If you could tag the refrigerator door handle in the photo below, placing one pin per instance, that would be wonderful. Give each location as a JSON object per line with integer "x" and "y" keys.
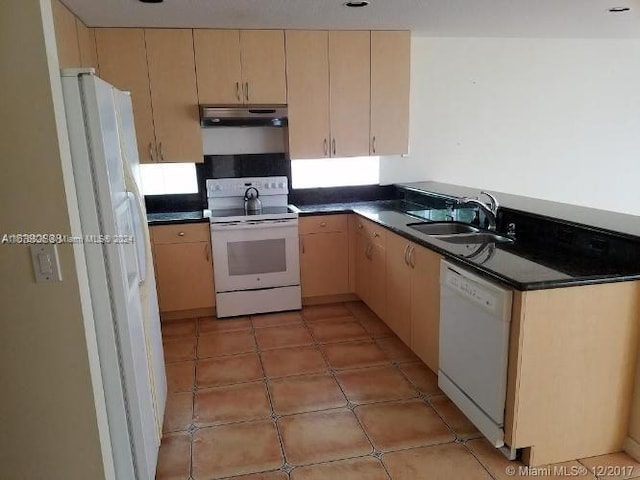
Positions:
{"x": 138, "y": 227}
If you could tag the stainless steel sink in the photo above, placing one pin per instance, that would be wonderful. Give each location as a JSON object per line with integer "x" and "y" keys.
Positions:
{"x": 474, "y": 238}
{"x": 443, "y": 228}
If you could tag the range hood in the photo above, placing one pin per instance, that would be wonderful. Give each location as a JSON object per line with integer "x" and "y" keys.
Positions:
{"x": 246, "y": 116}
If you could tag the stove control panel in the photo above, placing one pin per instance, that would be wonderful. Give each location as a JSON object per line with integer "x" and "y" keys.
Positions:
{"x": 235, "y": 187}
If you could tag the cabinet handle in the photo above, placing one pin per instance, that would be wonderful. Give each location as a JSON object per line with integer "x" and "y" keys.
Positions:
{"x": 412, "y": 257}
{"x": 373, "y": 144}
{"x": 238, "y": 92}
{"x": 206, "y": 253}
{"x": 360, "y": 226}
{"x": 246, "y": 92}
{"x": 323, "y": 224}
{"x": 334, "y": 145}
{"x": 181, "y": 234}
{"x": 302, "y": 245}
{"x": 326, "y": 147}
{"x": 406, "y": 252}
{"x": 151, "y": 151}
{"x": 161, "y": 152}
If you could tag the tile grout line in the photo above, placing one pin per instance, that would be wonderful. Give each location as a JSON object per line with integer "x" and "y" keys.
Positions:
{"x": 477, "y": 458}
{"x": 265, "y": 380}
{"x": 274, "y": 416}
{"x": 332, "y": 373}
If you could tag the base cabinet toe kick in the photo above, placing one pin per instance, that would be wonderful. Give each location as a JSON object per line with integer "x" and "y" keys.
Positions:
{"x": 548, "y": 372}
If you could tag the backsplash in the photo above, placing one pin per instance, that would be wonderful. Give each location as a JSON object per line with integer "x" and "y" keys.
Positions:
{"x": 220, "y": 166}
{"x": 250, "y": 165}
{"x": 560, "y": 239}
{"x": 365, "y": 193}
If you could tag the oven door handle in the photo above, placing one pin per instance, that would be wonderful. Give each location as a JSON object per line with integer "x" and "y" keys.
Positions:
{"x": 228, "y": 227}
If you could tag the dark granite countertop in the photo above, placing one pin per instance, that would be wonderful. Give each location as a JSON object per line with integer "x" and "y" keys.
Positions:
{"x": 167, "y": 218}
{"x": 516, "y": 265}
{"x": 350, "y": 207}
{"x": 620, "y": 223}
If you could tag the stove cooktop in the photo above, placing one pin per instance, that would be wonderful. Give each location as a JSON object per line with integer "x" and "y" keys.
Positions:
{"x": 239, "y": 214}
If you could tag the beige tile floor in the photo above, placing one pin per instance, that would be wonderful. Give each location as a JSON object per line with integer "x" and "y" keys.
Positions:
{"x": 326, "y": 393}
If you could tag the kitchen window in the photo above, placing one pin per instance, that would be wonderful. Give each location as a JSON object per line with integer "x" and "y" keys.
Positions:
{"x": 335, "y": 172}
{"x": 168, "y": 178}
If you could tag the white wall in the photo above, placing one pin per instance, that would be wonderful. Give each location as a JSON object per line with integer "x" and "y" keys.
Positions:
{"x": 546, "y": 118}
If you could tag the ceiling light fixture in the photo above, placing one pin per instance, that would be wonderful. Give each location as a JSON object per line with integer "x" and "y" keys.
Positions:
{"x": 151, "y": 1}
{"x": 619, "y": 9}
{"x": 356, "y": 3}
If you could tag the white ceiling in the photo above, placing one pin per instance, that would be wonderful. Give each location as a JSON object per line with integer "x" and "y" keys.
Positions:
{"x": 462, "y": 18}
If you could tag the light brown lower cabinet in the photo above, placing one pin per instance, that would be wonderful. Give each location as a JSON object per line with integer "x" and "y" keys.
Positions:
{"x": 184, "y": 267}
{"x": 573, "y": 352}
{"x": 324, "y": 255}
{"x": 572, "y": 360}
{"x": 370, "y": 266}
{"x": 413, "y": 297}
{"x": 398, "y": 284}
{"x": 425, "y": 305}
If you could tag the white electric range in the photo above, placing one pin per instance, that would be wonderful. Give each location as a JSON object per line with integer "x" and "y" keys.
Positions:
{"x": 256, "y": 254}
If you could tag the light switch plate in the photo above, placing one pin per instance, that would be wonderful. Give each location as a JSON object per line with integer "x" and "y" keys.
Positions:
{"x": 46, "y": 264}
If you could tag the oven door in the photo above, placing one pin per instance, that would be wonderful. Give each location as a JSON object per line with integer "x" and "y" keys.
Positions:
{"x": 255, "y": 255}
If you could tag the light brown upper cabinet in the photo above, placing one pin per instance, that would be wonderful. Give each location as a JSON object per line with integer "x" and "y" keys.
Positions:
{"x": 328, "y": 93}
{"x": 348, "y": 93}
{"x": 240, "y": 66}
{"x": 174, "y": 97}
{"x": 66, "y": 35}
{"x": 390, "y": 64}
{"x": 122, "y": 57}
{"x": 308, "y": 93}
{"x": 349, "y": 81}
{"x": 157, "y": 66}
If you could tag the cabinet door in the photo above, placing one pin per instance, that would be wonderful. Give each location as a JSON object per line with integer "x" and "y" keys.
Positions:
{"x": 184, "y": 273}
{"x": 122, "y": 60}
{"x": 87, "y": 45}
{"x": 398, "y": 287}
{"x": 425, "y": 306}
{"x": 362, "y": 268}
{"x": 349, "y": 67}
{"x": 217, "y": 57}
{"x": 263, "y": 70}
{"x": 308, "y": 93}
{"x": 390, "y": 60}
{"x": 378, "y": 279}
{"x": 324, "y": 264}
{"x": 66, "y": 35}
{"x": 172, "y": 75}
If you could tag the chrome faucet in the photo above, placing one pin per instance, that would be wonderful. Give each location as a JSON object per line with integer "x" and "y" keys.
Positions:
{"x": 490, "y": 209}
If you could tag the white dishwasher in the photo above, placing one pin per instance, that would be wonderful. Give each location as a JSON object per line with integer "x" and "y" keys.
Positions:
{"x": 475, "y": 316}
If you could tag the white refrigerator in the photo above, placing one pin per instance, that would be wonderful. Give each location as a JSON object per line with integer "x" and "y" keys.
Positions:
{"x": 120, "y": 269}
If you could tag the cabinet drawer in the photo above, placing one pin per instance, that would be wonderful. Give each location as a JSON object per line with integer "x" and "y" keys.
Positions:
{"x": 181, "y": 233}
{"x": 322, "y": 223}
{"x": 371, "y": 231}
